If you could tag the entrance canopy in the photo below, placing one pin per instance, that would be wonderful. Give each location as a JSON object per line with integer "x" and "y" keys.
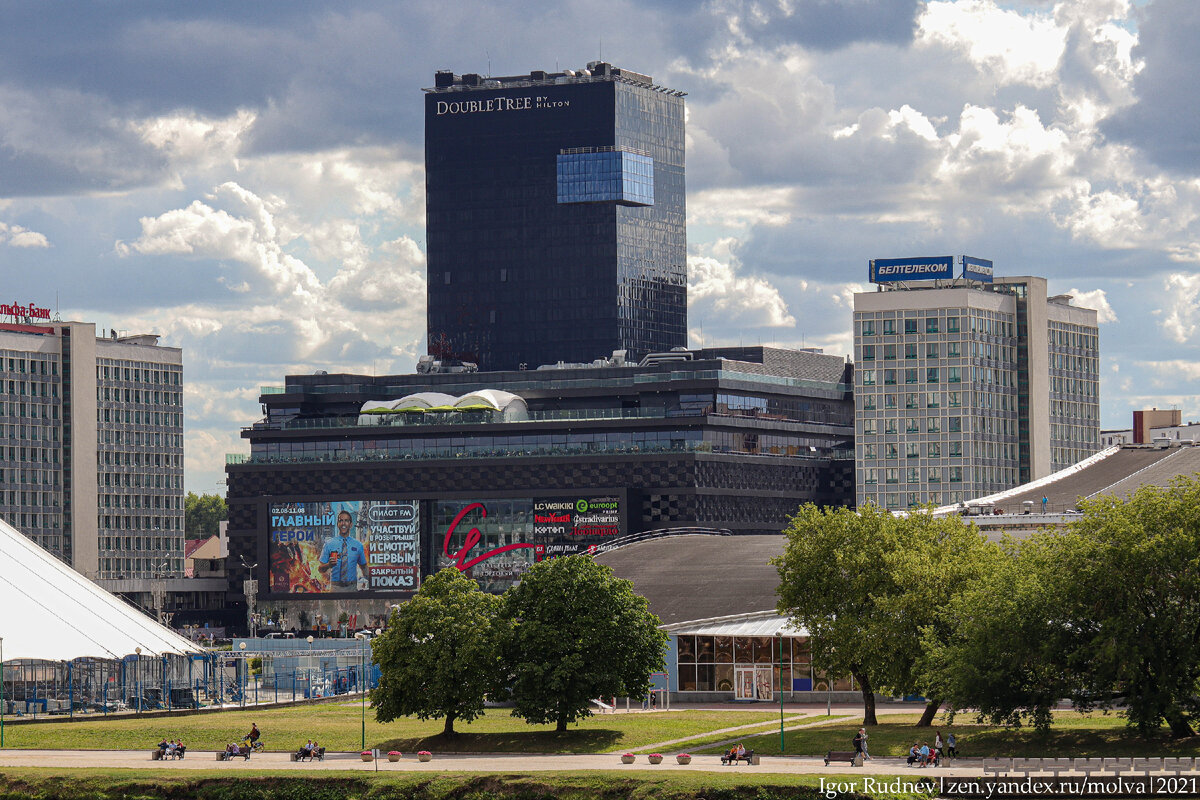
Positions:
{"x": 49, "y": 611}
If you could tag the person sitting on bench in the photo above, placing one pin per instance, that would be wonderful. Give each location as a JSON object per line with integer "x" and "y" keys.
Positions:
{"x": 914, "y": 754}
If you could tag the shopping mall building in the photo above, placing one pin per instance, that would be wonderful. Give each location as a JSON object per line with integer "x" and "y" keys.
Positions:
{"x": 396, "y": 477}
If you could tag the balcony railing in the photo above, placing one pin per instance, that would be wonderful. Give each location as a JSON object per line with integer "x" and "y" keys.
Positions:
{"x": 635, "y": 379}
{"x": 415, "y": 419}
{"x": 524, "y": 451}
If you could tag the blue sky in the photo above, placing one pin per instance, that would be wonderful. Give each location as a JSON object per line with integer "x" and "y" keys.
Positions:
{"x": 246, "y": 179}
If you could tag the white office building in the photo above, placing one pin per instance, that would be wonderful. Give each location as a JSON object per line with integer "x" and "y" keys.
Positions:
{"x": 967, "y": 387}
{"x": 91, "y": 462}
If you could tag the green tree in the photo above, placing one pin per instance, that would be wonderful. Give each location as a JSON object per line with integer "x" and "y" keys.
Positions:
{"x": 937, "y": 559}
{"x": 439, "y": 656}
{"x": 576, "y": 632}
{"x": 831, "y": 575}
{"x": 868, "y": 585}
{"x": 1001, "y": 652}
{"x": 1105, "y": 613}
{"x": 1132, "y": 575}
{"x": 202, "y": 515}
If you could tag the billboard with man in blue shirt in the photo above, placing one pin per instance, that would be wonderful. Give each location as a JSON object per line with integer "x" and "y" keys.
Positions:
{"x": 345, "y": 546}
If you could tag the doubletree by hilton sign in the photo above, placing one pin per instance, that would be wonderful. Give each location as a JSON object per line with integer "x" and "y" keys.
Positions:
{"x": 26, "y": 312}
{"x": 495, "y": 104}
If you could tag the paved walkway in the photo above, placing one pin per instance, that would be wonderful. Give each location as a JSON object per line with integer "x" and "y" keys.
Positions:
{"x": 140, "y": 759}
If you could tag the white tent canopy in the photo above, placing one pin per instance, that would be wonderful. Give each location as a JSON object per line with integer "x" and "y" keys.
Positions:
{"x": 53, "y": 613}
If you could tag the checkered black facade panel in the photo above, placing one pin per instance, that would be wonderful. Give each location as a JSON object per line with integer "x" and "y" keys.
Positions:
{"x": 743, "y": 495}
{"x": 430, "y": 478}
{"x": 660, "y": 510}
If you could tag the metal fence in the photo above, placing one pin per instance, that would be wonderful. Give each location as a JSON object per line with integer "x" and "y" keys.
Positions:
{"x": 138, "y": 683}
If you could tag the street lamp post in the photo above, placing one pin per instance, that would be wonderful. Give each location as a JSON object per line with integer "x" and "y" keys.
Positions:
{"x": 779, "y": 636}
{"x": 3, "y": 704}
{"x": 245, "y": 672}
{"x": 137, "y": 677}
{"x": 308, "y": 667}
{"x": 362, "y": 661}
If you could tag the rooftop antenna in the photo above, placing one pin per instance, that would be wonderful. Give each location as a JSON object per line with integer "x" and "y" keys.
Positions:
{"x": 601, "y": 48}
{"x": 489, "y": 60}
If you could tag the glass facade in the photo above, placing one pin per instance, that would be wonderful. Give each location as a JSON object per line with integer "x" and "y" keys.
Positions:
{"x": 751, "y": 667}
{"x": 595, "y": 177}
{"x": 555, "y": 219}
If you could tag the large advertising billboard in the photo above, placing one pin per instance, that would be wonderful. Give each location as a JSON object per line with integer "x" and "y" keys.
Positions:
{"x": 495, "y": 541}
{"x": 889, "y": 270}
{"x": 977, "y": 269}
{"x": 345, "y": 546}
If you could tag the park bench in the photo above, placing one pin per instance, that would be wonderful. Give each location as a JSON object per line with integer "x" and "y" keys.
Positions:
{"x": 749, "y": 758}
{"x": 847, "y": 756}
{"x": 158, "y": 754}
{"x": 300, "y": 755}
{"x": 225, "y": 755}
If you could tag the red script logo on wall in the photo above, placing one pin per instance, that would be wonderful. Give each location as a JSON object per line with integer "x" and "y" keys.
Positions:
{"x": 473, "y": 536}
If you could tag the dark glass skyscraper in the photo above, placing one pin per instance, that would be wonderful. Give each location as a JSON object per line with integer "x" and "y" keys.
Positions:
{"x": 555, "y": 217}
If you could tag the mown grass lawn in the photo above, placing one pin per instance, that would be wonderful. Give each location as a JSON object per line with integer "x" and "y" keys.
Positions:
{"x": 700, "y": 743}
{"x": 1072, "y": 735}
{"x": 338, "y": 726}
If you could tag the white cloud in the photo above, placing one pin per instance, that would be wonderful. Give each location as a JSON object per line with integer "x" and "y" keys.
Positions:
{"x": 716, "y": 288}
{"x": 1097, "y": 299}
{"x": 914, "y": 121}
{"x": 199, "y": 230}
{"x": 204, "y": 448}
{"x": 742, "y": 208}
{"x": 1190, "y": 370}
{"x": 16, "y": 236}
{"x": 1011, "y": 47}
{"x": 843, "y": 294}
{"x": 190, "y": 140}
{"x": 1181, "y": 315}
